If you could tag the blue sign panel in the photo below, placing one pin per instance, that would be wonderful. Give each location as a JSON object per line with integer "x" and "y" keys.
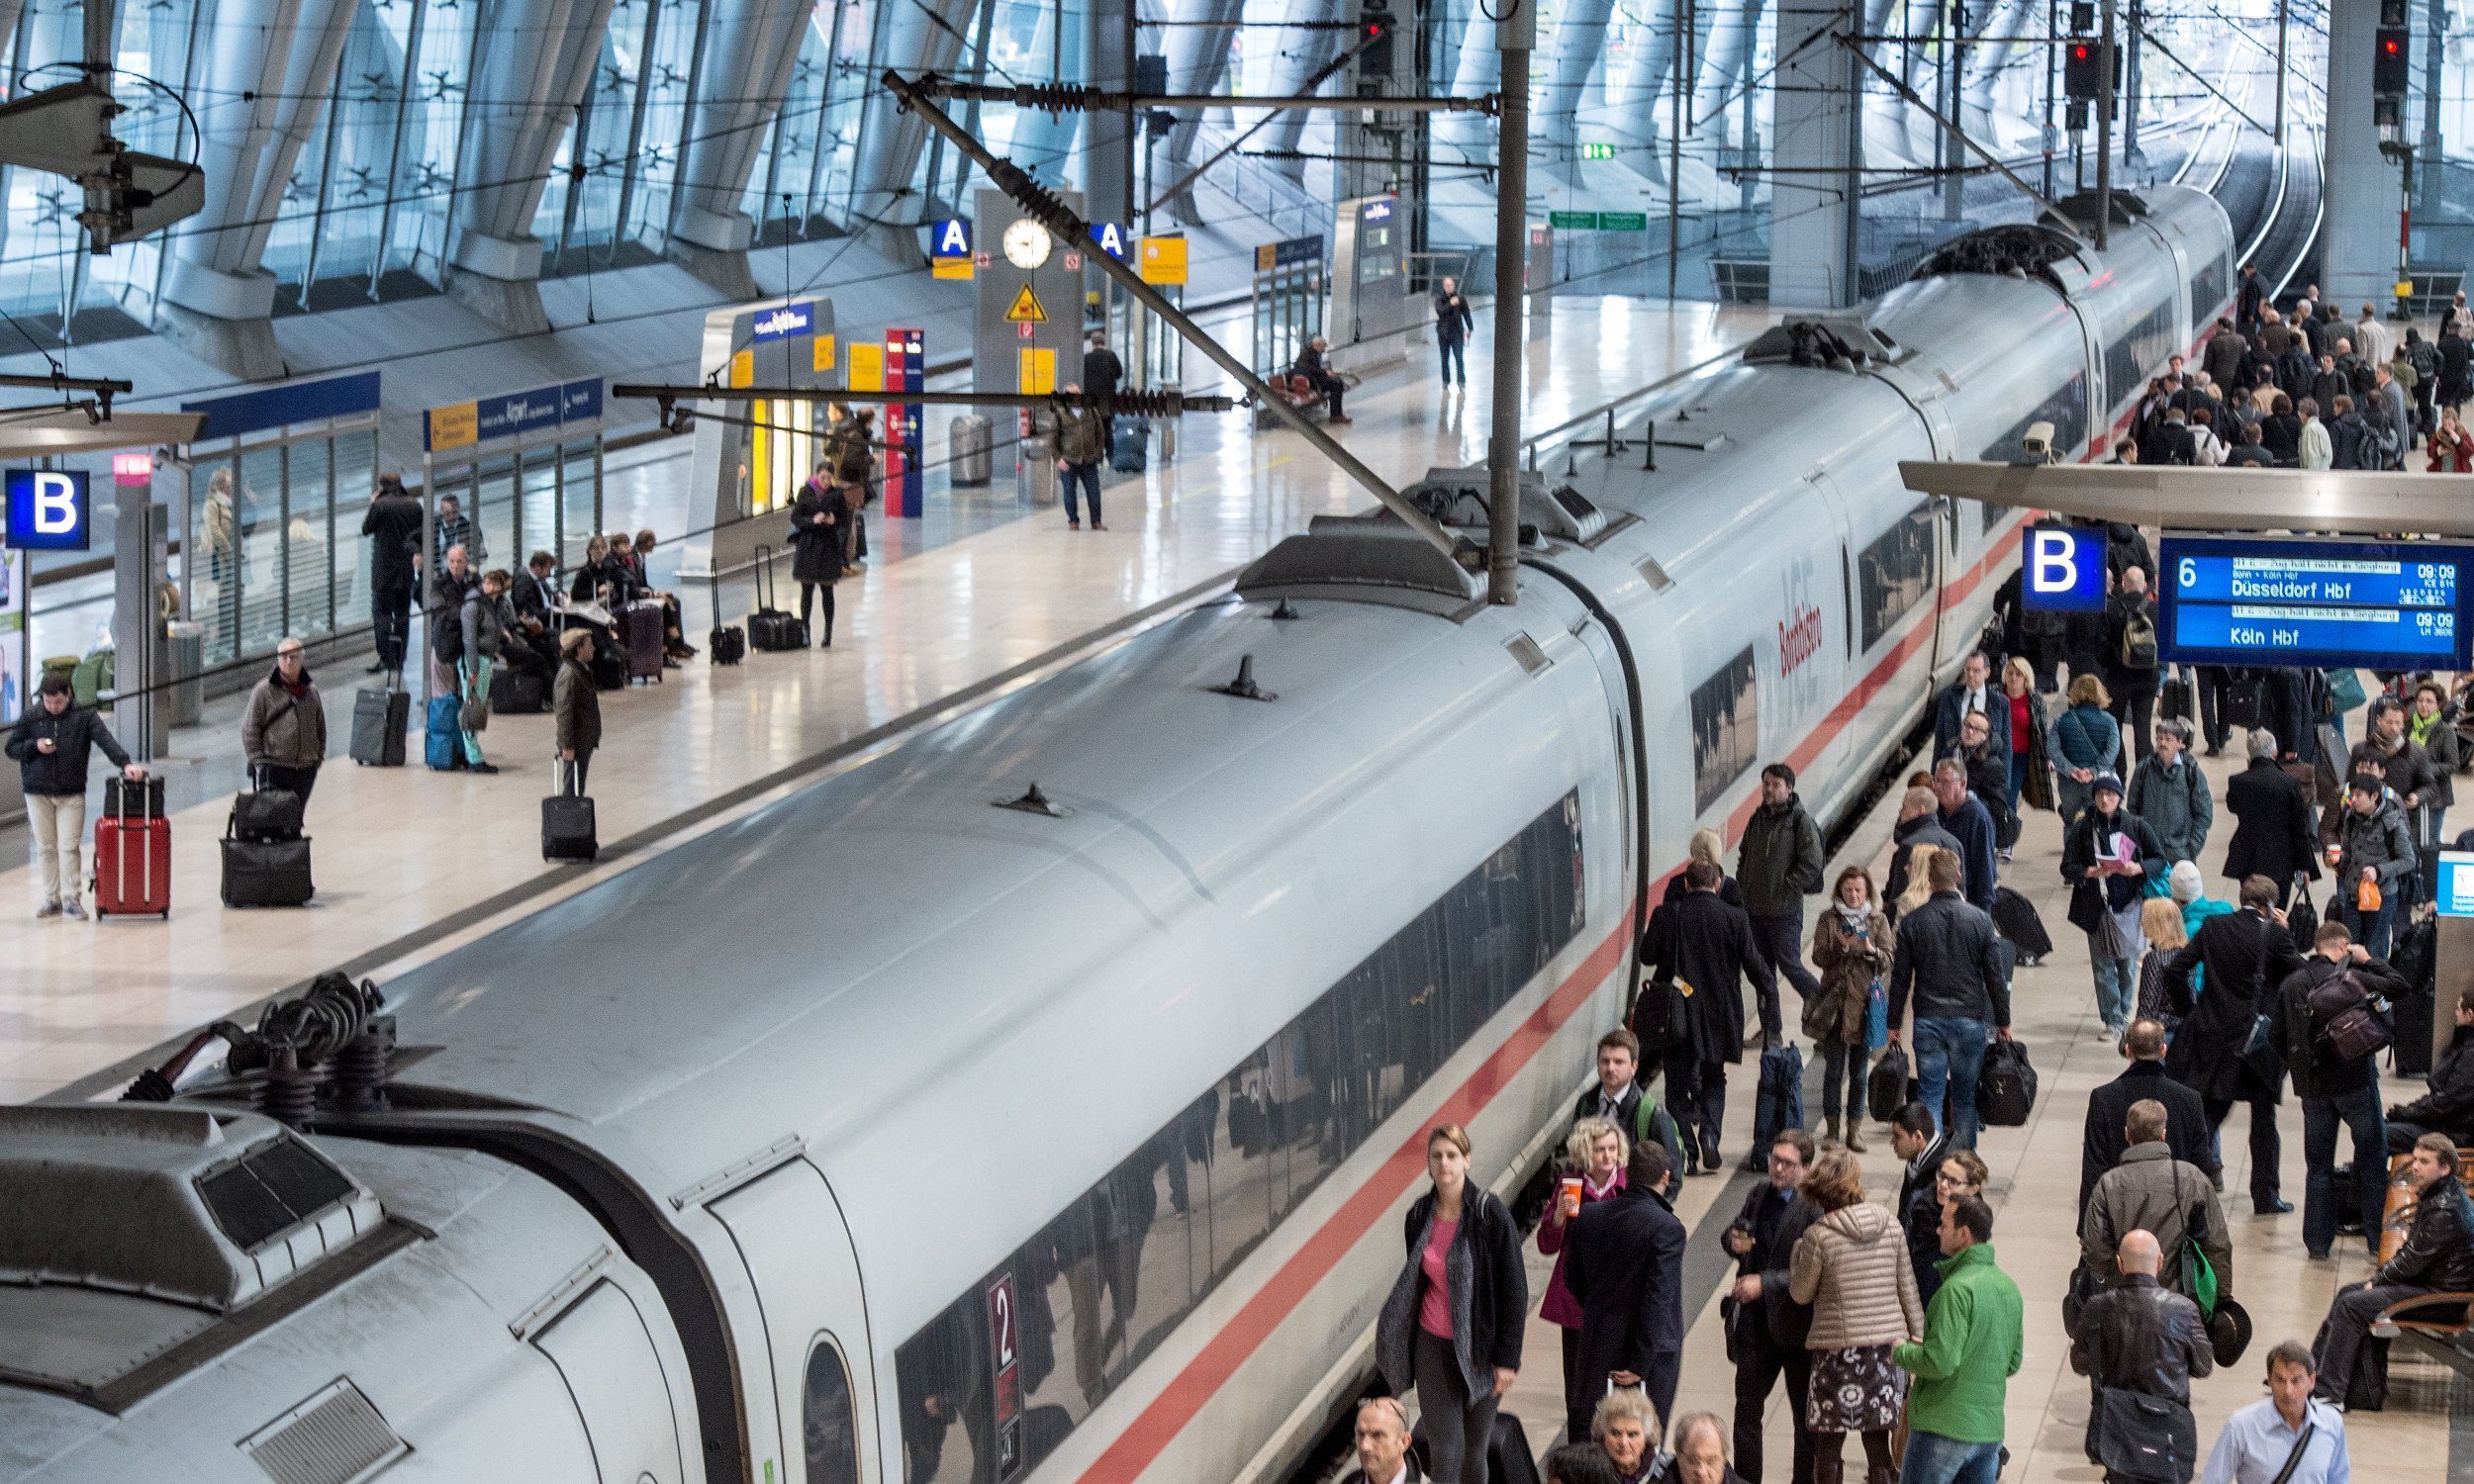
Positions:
{"x": 783, "y": 320}
{"x": 517, "y": 412}
{"x": 580, "y": 401}
{"x": 2374, "y": 603}
{"x": 1291, "y": 252}
{"x": 48, "y": 509}
{"x": 281, "y": 407}
{"x": 1110, "y": 237}
{"x": 2456, "y": 884}
{"x": 2063, "y": 570}
{"x": 949, "y": 237}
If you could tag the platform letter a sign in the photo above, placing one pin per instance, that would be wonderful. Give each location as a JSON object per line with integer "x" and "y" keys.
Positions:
{"x": 55, "y": 504}
{"x": 2054, "y": 566}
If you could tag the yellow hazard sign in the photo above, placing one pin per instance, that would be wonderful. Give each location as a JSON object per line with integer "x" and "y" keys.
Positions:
{"x": 1025, "y": 309}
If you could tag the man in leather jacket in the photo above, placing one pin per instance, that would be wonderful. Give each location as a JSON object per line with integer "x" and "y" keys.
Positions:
{"x": 2438, "y": 1257}
{"x": 2139, "y": 1337}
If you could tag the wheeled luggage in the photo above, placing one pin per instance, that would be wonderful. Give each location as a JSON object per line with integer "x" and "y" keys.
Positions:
{"x": 770, "y": 629}
{"x": 265, "y": 872}
{"x": 1509, "y": 1459}
{"x": 1129, "y": 450}
{"x": 970, "y": 449}
{"x": 379, "y": 722}
{"x": 135, "y": 798}
{"x": 2174, "y": 701}
{"x": 133, "y": 858}
{"x": 639, "y": 627}
{"x": 568, "y": 829}
{"x": 728, "y": 643}
{"x": 441, "y": 738}
{"x": 518, "y": 693}
{"x": 2016, "y": 919}
{"x": 1886, "y": 1086}
{"x": 1778, "y": 1103}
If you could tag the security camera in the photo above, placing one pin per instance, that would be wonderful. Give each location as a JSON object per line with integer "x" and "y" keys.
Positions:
{"x": 2037, "y": 445}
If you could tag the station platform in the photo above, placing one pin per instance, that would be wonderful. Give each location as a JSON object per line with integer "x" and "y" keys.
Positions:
{"x": 955, "y": 609}
{"x": 2034, "y": 1192}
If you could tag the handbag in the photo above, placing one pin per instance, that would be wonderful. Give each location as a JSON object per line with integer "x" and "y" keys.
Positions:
{"x": 1877, "y": 1017}
{"x": 2345, "y": 688}
{"x": 2151, "y": 1438}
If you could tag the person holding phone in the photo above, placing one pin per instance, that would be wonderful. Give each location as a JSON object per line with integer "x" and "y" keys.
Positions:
{"x": 51, "y": 745}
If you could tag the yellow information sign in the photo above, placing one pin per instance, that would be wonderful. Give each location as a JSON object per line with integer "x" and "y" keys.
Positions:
{"x": 825, "y": 354}
{"x": 1035, "y": 372}
{"x": 1026, "y": 309}
{"x": 950, "y": 268}
{"x": 457, "y": 427}
{"x": 867, "y": 367}
{"x": 743, "y": 369}
{"x": 1162, "y": 260}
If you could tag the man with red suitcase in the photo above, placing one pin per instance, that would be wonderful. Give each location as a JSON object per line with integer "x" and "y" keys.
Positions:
{"x": 51, "y": 744}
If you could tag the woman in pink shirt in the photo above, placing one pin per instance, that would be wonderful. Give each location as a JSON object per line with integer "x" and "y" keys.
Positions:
{"x": 1452, "y": 1324}
{"x": 1595, "y": 1154}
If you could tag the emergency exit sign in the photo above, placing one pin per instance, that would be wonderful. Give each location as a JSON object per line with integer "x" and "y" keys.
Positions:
{"x": 1597, "y": 151}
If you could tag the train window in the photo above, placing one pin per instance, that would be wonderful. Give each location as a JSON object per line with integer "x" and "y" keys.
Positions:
{"x": 2209, "y": 288}
{"x": 829, "y": 1421}
{"x": 999, "y": 1378}
{"x": 1726, "y": 728}
{"x": 2139, "y": 354}
{"x": 1895, "y": 572}
{"x": 2066, "y": 409}
{"x": 1846, "y": 600}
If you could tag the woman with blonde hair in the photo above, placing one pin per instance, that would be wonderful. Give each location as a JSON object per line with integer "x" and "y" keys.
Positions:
{"x": 1452, "y": 1324}
{"x": 1919, "y": 878}
{"x": 1852, "y": 1265}
{"x": 1852, "y": 947}
{"x": 1593, "y": 1159}
{"x": 2031, "y": 765}
{"x": 2160, "y": 922}
{"x": 1705, "y": 845}
{"x": 2084, "y": 741}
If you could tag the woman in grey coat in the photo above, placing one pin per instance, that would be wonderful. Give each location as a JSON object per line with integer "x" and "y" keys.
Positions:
{"x": 487, "y": 619}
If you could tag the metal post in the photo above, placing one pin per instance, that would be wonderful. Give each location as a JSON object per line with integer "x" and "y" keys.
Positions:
{"x": 1685, "y": 62}
{"x": 2130, "y": 103}
{"x": 2104, "y": 131}
{"x": 1512, "y": 259}
{"x": 2053, "y": 65}
{"x": 2280, "y": 73}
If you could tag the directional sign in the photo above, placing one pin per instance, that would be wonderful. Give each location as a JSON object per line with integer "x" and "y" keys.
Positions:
{"x": 2370, "y": 603}
{"x": 1161, "y": 259}
{"x": 1597, "y": 151}
{"x": 2455, "y": 897}
{"x": 2064, "y": 570}
{"x": 48, "y": 509}
{"x": 1572, "y": 220}
{"x": 1623, "y": 222}
{"x": 1026, "y": 309}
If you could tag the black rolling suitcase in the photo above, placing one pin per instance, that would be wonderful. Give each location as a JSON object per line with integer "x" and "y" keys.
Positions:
{"x": 2016, "y": 919}
{"x": 1886, "y": 1086}
{"x": 268, "y": 815}
{"x": 518, "y": 693}
{"x": 770, "y": 629}
{"x": 2006, "y": 1091}
{"x": 380, "y": 720}
{"x": 569, "y": 831}
{"x": 728, "y": 643}
{"x": 265, "y": 872}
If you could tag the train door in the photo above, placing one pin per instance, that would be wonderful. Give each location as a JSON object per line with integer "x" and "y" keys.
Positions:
{"x": 1611, "y": 668}
{"x": 789, "y": 1233}
{"x": 613, "y": 1374}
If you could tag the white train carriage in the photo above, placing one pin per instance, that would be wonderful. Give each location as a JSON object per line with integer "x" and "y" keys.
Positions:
{"x": 1040, "y": 1101}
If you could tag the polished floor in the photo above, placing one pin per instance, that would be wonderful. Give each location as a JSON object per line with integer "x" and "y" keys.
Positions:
{"x": 2034, "y": 1192}
{"x": 409, "y": 861}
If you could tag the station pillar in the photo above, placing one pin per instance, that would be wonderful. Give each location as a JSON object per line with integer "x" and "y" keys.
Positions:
{"x": 1813, "y": 200}
{"x": 2364, "y": 189}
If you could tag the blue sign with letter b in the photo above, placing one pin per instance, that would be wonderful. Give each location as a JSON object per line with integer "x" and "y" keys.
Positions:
{"x": 2064, "y": 570}
{"x": 48, "y": 509}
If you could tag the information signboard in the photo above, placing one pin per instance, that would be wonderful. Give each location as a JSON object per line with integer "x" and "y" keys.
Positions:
{"x": 2384, "y": 605}
{"x": 2455, "y": 895}
{"x": 2064, "y": 569}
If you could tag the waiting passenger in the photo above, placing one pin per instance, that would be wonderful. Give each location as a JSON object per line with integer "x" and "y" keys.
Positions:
{"x": 1704, "y": 844}
{"x": 1988, "y": 768}
{"x": 2448, "y": 1106}
{"x": 817, "y": 549}
{"x": 2131, "y": 668}
{"x": 1765, "y": 1323}
{"x": 674, "y": 645}
{"x": 283, "y": 729}
{"x": 2206, "y": 449}
{"x": 2248, "y": 452}
{"x": 2375, "y": 858}
{"x": 2084, "y": 741}
{"x": 1453, "y": 326}
{"x": 2108, "y": 856}
{"x": 1383, "y": 1445}
{"x": 2348, "y": 436}
{"x": 601, "y": 579}
{"x": 534, "y": 601}
{"x": 1919, "y": 824}
{"x": 2102, "y": 1138}
{"x": 1452, "y": 1323}
{"x": 2170, "y": 793}
{"x": 2316, "y": 451}
{"x": 2281, "y": 433}
{"x": 2335, "y": 1083}
{"x": 1852, "y": 947}
{"x": 2451, "y": 446}
{"x": 51, "y": 744}
{"x": 1313, "y": 366}
{"x": 2438, "y": 1257}
{"x": 1626, "y": 1432}
{"x": 486, "y": 622}
{"x": 1698, "y": 1441}
{"x": 1916, "y": 1137}
{"x": 2169, "y": 440}
{"x": 1972, "y": 825}
{"x": 392, "y": 526}
{"x": 455, "y": 528}
{"x": 1624, "y": 1263}
{"x": 1595, "y": 1158}
{"x": 1778, "y": 865}
{"x": 1851, "y": 1266}
{"x": 1961, "y": 1174}
{"x": 1079, "y": 443}
{"x": 1973, "y": 693}
{"x": 576, "y": 707}
{"x": 1622, "y": 1101}
{"x": 443, "y": 611}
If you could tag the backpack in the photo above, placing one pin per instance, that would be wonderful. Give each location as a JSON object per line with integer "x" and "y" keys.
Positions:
{"x": 2343, "y": 1017}
{"x": 2295, "y": 372}
{"x": 2139, "y": 639}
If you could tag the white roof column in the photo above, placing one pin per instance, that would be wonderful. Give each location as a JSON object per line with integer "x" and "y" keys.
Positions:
{"x": 750, "y": 49}
{"x": 2359, "y": 237}
{"x": 912, "y": 38}
{"x": 269, "y": 66}
{"x": 1579, "y": 44}
{"x": 1812, "y": 211}
{"x": 1197, "y": 58}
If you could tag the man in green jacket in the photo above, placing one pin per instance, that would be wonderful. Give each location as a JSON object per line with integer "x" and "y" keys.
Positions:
{"x": 1973, "y": 1345}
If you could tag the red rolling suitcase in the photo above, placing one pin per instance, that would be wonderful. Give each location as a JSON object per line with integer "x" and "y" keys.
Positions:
{"x": 132, "y": 863}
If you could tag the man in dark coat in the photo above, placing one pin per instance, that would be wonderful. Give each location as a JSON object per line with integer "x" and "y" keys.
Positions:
{"x": 1453, "y": 326}
{"x": 2448, "y": 1107}
{"x": 1919, "y": 823}
{"x": 1916, "y": 1138}
{"x": 1778, "y": 865}
{"x": 2141, "y": 1337}
{"x": 2225, "y": 353}
{"x": 1973, "y": 692}
{"x": 2272, "y": 837}
{"x": 1948, "y": 958}
{"x": 2247, "y": 955}
{"x": 1765, "y": 1326}
{"x": 1620, "y": 1099}
{"x": 1971, "y": 824}
{"x": 1101, "y": 372}
{"x": 1700, "y": 950}
{"x": 2109, "y": 1110}
{"x": 1622, "y": 1261}
{"x": 2335, "y": 1087}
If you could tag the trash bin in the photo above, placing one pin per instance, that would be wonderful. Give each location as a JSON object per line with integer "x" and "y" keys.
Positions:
{"x": 185, "y": 646}
{"x": 1035, "y": 472}
{"x": 970, "y": 443}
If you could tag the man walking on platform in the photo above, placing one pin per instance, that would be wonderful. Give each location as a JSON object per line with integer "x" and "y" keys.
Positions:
{"x": 1700, "y": 950}
{"x": 1765, "y": 1327}
{"x": 1453, "y": 326}
{"x": 1776, "y": 866}
{"x": 2247, "y": 955}
{"x": 2146, "y": 1340}
{"x": 1948, "y": 957}
{"x": 1623, "y": 1260}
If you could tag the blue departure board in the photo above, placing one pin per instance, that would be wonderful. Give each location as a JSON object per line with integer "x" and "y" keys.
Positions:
{"x": 2383, "y": 605}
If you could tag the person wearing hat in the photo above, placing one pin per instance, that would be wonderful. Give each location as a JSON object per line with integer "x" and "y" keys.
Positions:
{"x": 2107, "y": 857}
{"x": 51, "y": 745}
{"x": 2144, "y": 1339}
{"x": 2374, "y": 855}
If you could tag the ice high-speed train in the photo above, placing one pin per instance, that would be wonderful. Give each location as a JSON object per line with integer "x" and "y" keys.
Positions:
{"x": 915, "y": 1130}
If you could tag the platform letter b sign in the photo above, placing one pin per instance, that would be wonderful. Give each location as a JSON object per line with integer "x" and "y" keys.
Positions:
{"x": 2055, "y": 561}
{"x": 48, "y": 509}
{"x": 2065, "y": 569}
